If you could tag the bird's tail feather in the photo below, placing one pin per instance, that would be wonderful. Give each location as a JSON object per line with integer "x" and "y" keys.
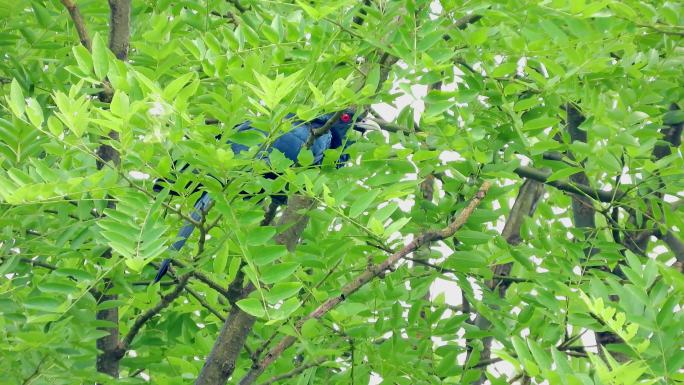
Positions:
{"x": 201, "y": 208}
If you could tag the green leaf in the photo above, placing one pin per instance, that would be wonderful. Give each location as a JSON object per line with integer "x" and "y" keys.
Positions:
{"x": 539, "y": 123}
{"x": 43, "y": 303}
{"x": 260, "y": 235}
{"x": 83, "y": 58}
{"x": 396, "y": 226}
{"x": 278, "y": 161}
{"x": 362, "y": 202}
{"x": 564, "y": 173}
{"x": 279, "y": 272}
{"x": 466, "y": 260}
{"x": 282, "y": 290}
{"x": 16, "y": 99}
{"x": 120, "y": 104}
{"x": 268, "y": 253}
{"x": 176, "y": 85}
{"x": 252, "y": 306}
{"x": 526, "y": 104}
{"x": 541, "y": 357}
{"x": 311, "y": 11}
{"x": 221, "y": 259}
{"x": 42, "y": 15}
{"x": 100, "y": 59}
{"x": 286, "y": 309}
{"x": 504, "y": 69}
{"x": 622, "y": 9}
{"x": 473, "y": 237}
{"x": 34, "y": 112}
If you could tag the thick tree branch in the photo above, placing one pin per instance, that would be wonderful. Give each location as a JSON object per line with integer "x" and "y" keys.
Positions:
{"x": 365, "y": 277}
{"x": 583, "y": 212}
{"x": 111, "y": 352}
{"x": 675, "y": 244}
{"x": 525, "y": 205}
{"x": 110, "y": 355}
{"x": 119, "y": 27}
{"x": 582, "y": 206}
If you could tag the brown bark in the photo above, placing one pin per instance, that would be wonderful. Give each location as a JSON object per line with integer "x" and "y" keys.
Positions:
{"x": 525, "y": 204}
{"x": 119, "y": 27}
{"x": 111, "y": 353}
{"x": 76, "y": 17}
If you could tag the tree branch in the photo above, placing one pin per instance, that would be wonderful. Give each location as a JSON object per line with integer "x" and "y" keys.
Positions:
{"x": 151, "y": 312}
{"x": 675, "y": 245}
{"x": 119, "y": 27}
{"x": 295, "y": 371}
{"x": 238, "y": 6}
{"x": 365, "y": 277}
{"x": 204, "y": 303}
{"x": 78, "y": 23}
{"x": 578, "y": 189}
{"x": 525, "y": 205}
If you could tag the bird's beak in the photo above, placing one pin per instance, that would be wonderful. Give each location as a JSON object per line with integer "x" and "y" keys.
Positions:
{"x": 367, "y": 124}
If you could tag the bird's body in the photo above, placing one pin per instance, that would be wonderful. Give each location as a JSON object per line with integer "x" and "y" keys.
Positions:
{"x": 290, "y": 144}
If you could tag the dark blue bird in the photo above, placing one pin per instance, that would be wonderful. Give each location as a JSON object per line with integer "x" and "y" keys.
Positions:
{"x": 290, "y": 144}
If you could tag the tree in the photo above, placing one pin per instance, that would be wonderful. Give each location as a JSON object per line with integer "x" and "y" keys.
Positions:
{"x": 542, "y": 181}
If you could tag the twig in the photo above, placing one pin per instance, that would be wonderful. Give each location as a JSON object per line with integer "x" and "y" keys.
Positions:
{"x": 206, "y": 280}
{"x": 295, "y": 371}
{"x": 238, "y": 6}
{"x": 151, "y": 312}
{"x": 318, "y": 132}
{"x": 136, "y": 372}
{"x": 36, "y": 262}
{"x": 204, "y": 303}
{"x": 78, "y": 23}
{"x": 35, "y": 373}
{"x": 579, "y": 189}
{"x": 370, "y": 273}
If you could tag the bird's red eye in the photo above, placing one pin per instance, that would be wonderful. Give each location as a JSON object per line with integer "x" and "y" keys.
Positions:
{"x": 345, "y": 118}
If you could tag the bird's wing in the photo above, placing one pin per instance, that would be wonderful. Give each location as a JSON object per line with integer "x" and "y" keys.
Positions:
{"x": 319, "y": 146}
{"x": 291, "y": 142}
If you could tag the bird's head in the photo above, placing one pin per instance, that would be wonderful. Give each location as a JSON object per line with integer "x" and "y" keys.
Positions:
{"x": 344, "y": 122}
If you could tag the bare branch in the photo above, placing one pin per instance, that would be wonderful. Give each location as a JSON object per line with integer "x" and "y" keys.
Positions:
{"x": 78, "y": 23}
